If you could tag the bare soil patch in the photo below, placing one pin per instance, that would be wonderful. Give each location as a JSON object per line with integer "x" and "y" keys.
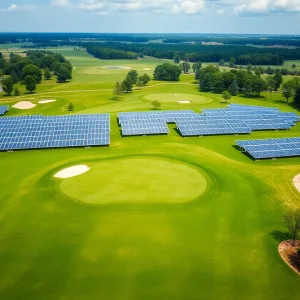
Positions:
{"x": 288, "y": 252}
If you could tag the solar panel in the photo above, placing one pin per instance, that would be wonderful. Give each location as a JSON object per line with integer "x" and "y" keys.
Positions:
{"x": 271, "y": 148}
{"x": 35, "y": 132}
{"x": 3, "y": 109}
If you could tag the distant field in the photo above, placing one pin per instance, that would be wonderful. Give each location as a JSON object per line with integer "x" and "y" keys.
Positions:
{"x": 157, "y": 217}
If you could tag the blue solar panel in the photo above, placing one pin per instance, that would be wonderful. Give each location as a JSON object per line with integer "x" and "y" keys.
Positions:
{"x": 33, "y": 132}
{"x": 3, "y": 109}
{"x": 271, "y": 148}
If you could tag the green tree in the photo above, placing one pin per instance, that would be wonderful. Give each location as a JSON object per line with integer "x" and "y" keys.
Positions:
{"x": 296, "y": 97}
{"x": 1, "y": 72}
{"x": 233, "y": 88}
{"x": 167, "y": 72}
{"x": 226, "y": 96}
{"x": 8, "y": 85}
{"x": 71, "y": 107}
{"x": 176, "y": 59}
{"x": 30, "y": 83}
{"x": 218, "y": 83}
{"x": 222, "y": 63}
{"x": 33, "y": 71}
{"x": 16, "y": 92}
{"x": 132, "y": 76}
{"x": 118, "y": 91}
{"x": 291, "y": 221}
{"x": 185, "y": 66}
{"x": 197, "y": 66}
{"x": 139, "y": 83}
{"x": 206, "y": 83}
{"x": 228, "y": 78}
{"x": 15, "y": 77}
{"x": 63, "y": 74}
{"x": 294, "y": 66}
{"x": 47, "y": 74}
{"x": 287, "y": 90}
{"x": 270, "y": 85}
{"x": 145, "y": 78}
{"x": 126, "y": 86}
{"x": 232, "y": 62}
{"x": 156, "y": 104}
{"x": 278, "y": 80}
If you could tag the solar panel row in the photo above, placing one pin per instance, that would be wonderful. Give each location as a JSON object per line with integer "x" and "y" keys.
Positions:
{"x": 3, "y": 109}
{"x": 32, "y": 132}
{"x": 271, "y": 148}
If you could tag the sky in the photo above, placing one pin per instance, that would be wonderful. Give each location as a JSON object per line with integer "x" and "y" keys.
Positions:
{"x": 151, "y": 16}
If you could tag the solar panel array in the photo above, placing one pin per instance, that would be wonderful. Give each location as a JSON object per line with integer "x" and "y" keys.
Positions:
{"x": 271, "y": 148}
{"x": 35, "y": 132}
{"x": 147, "y": 123}
{"x": 3, "y": 109}
{"x": 236, "y": 119}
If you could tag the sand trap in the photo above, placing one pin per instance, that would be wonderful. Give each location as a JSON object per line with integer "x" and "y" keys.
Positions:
{"x": 24, "y": 105}
{"x": 46, "y": 101}
{"x": 72, "y": 171}
{"x": 116, "y": 67}
{"x": 296, "y": 181}
{"x": 184, "y": 101}
{"x": 146, "y": 69}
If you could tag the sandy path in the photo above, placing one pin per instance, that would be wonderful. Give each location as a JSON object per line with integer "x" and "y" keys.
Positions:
{"x": 72, "y": 171}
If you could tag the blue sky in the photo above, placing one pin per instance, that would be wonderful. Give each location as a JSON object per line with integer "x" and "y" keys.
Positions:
{"x": 193, "y": 16}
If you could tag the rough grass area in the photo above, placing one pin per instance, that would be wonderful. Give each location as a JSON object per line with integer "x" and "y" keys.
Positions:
{"x": 221, "y": 245}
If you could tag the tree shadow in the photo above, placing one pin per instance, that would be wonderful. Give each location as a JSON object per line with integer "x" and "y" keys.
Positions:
{"x": 280, "y": 236}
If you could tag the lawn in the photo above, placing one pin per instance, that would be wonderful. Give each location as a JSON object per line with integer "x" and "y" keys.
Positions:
{"x": 156, "y": 217}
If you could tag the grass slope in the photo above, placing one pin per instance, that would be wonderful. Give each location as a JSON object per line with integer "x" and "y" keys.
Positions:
{"x": 220, "y": 246}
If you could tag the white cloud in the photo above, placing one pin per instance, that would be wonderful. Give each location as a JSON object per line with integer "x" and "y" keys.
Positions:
{"x": 61, "y": 3}
{"x": 254, "y": 7}
{"x": 189, "y": 7}
{"x": 15, "y": 7}
{"x": 91, "y": 5}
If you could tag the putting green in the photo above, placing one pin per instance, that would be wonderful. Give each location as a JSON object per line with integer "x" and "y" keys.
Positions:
{"x": 179, "y": 97}
{"x": 136, "y": 180}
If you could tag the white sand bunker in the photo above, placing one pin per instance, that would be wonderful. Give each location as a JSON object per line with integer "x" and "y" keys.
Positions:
{"x": 296, "y": 181}
{"x": 184, "y": 101}
{"x": 116, "y": 67}
{"x": 46, "y": 101}
{"x": 24, "y": 105}
{"x": 72, "y": 171}
{"x": 146, "y": 69}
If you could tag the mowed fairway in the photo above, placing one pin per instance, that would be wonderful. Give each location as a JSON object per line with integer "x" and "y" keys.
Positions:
{"x": 156, "y": 217}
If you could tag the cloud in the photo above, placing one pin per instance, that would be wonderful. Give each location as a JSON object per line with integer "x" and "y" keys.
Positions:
{"x": 189, "y": 7}
{"x": 14, "y": 8}
{"x": 91, "y": 5}
{"x": 253, "y": 8}
{"x": 61, "y": 3}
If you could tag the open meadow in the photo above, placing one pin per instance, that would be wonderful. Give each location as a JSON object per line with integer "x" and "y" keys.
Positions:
{"x": 156, "y": 217}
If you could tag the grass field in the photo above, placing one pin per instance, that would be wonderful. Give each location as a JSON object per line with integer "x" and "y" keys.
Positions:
{"x": 156, "y": 217}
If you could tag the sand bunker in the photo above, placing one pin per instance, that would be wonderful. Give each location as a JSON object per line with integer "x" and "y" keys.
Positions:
{"x": 296, "y": 181}
{"x": 72, "y": 171}
{"x": 146, "y": 69}
{"x": 184, "y": 101}
{"x": 24, "y": 105}
{"x": 116, "y": 67}
{"x": 46, "y": 101}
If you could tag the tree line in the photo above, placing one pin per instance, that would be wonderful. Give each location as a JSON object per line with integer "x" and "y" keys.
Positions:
{"x": 107, "y": 53}
{"x": 29, "y": 70}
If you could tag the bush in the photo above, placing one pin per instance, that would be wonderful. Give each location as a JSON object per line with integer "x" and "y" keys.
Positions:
{"x": 70, "y": 107}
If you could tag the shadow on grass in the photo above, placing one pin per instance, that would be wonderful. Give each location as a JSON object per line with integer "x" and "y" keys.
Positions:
{"x": 280, "y": 236}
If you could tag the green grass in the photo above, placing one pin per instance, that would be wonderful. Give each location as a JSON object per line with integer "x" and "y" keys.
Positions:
{"x": 218, "y": 246}
{"x": 136, "y": 180}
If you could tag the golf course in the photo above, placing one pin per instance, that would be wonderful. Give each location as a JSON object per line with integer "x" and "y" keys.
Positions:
{"x": 152, "y": 217}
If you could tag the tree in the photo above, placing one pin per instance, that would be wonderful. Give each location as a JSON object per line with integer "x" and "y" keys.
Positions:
{"x": 185, "y": 66}
{"x": 7, "y": 85}
{"x": 270, "y": 85}
{"x": 16, "y": 92}
{"x": 145, "y": 78}
{"x": 278, "y": 80}
{"x": 233, "y": 88}
{"x": 156, "y": 104}
{"x": 139, "y": 83}
{"x": 33, "y": 71}
{"x": 294, "y": 66}
{"x": 232, "y": 62}
{"x": 118, "y": 89}
{"x": 30, "y": 83}
{"x": 291, "y": 221}
{"x": 176, "y": 59}
{"x": 296, "y": 97}
{"x": 206, "y": 84}
{"x": 70, "y": 107}
{"x": 197, "y": 66}
{"x": 15, "y": 77}
{"x": 47, "y": 74}
{"x": 126, "y": 86}
{"x": 226, "y": 96}
{"x": 167, "y": 72}
{"x": 222, "y": 63}
{"x": 132, "y": 76}
{"x": 287, "y": 90}
{"x": 218, "y": 83}
{"x": 63, "y": 74}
